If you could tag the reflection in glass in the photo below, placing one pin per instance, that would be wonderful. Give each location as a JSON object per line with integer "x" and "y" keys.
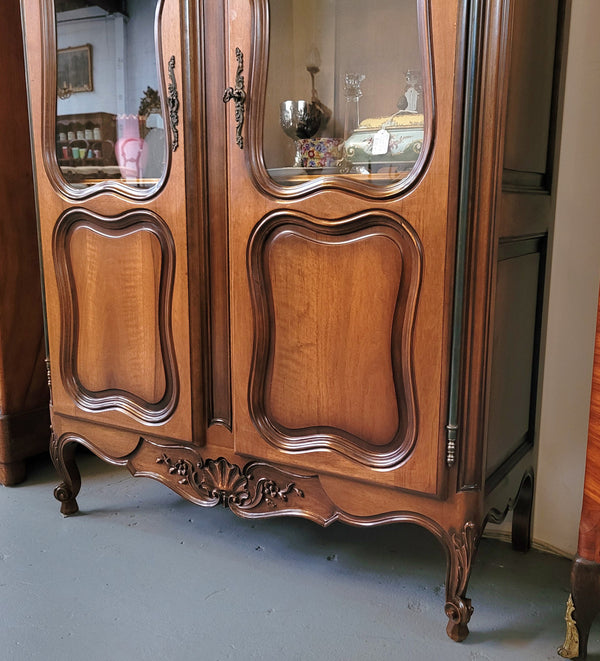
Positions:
{"x": 365, "y": 58}
{"x": 109, "y": 120}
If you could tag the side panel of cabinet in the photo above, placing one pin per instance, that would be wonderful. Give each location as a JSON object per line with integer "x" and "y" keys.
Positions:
{"x": 115, "y": 271}
{"x": 525, "y": 209}
{"x": 516, "y": 337}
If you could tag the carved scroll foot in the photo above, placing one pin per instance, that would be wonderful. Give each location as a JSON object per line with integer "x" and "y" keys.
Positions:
{"x": 521, "y": 523}
{"x": 459, "y": 613}
{"x": 461, "y": 548}
{"x": 62, "y": 451}
{"x": 68, "y": 502}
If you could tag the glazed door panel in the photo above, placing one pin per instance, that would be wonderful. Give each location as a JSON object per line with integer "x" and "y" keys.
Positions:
{"x": 110, "y": 165}
{"x": 341, "y": 249}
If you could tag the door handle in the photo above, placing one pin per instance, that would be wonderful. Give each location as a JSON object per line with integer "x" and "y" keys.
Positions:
{"x": 238, "y": 94}
{"x": 173, "y": 104}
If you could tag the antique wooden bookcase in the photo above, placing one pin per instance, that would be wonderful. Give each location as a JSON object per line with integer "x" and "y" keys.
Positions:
{"x": 311, "y": 282}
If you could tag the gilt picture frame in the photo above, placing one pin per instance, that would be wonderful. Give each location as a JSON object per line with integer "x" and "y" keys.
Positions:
{"x": 74, "y": 68}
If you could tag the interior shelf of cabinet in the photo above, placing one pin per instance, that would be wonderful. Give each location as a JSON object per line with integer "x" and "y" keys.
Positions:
{"x": 294, "y": 175}
{"x": 83, "y": 176}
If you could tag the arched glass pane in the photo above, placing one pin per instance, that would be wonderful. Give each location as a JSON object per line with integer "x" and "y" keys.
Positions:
{"x": 109, "y": 121}
{"x": 344, "y": 90}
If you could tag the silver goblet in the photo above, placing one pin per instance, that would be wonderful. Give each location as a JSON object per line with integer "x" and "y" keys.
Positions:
{"x": 299, "y": 119}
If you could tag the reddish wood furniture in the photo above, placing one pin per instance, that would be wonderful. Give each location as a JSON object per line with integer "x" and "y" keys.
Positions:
{"x": 584, "y": 601}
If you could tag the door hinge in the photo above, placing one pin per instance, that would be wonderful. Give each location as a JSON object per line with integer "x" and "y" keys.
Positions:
{"x": 451, "y": 436}
{"x": 49, "y": 377}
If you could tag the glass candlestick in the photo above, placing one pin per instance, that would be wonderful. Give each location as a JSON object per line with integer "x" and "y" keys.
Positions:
{"x": 352, "y": 94}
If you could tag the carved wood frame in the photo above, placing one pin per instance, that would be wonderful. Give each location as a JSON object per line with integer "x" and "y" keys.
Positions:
{"x": 378, "y": 223}
{"x": 117, "y": 226}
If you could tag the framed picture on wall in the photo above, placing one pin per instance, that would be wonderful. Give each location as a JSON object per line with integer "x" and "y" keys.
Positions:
{"x": 74, "y": 68}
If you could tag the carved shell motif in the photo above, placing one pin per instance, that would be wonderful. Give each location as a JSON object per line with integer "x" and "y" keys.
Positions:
{"x": 217, "y": 481}
{"x": 223, "y": 482}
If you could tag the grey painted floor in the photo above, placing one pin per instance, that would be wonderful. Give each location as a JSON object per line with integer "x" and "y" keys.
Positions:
{"x": 142, "y": 574}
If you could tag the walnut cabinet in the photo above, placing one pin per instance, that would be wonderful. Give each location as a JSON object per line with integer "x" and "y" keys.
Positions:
{"x": 298, "y": 268}
{"x": 583, "y": 604}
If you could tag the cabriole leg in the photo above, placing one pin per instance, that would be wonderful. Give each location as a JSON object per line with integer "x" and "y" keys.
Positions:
{"x": 461, "y": 548}
{"x": 582, "y": 607}
{"x": 62, "y": 451}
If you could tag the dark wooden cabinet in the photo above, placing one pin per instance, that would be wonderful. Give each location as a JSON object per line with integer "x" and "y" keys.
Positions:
{"x": 318, "y": 290}
{"x": 24, "y": 416}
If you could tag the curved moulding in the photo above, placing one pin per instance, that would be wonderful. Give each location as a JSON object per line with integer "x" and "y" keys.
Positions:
{"x": 334, "y": 304}
{"x": 115, "y": 282}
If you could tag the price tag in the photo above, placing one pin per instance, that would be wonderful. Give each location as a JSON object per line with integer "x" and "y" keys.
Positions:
{"x": 381, "y": 143}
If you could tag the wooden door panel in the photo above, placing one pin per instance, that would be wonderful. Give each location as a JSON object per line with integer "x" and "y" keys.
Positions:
{"x": 324, "y": 352}
{"x": 341, "y": 288}
{"x": 117, "y": 299}
{"x": 115, "y": 280}
{"x": 114, "y": 249}
{"x": 334, "y": 307}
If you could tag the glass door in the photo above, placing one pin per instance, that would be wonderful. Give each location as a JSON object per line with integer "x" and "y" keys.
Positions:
{"x": 339, "y": 198}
